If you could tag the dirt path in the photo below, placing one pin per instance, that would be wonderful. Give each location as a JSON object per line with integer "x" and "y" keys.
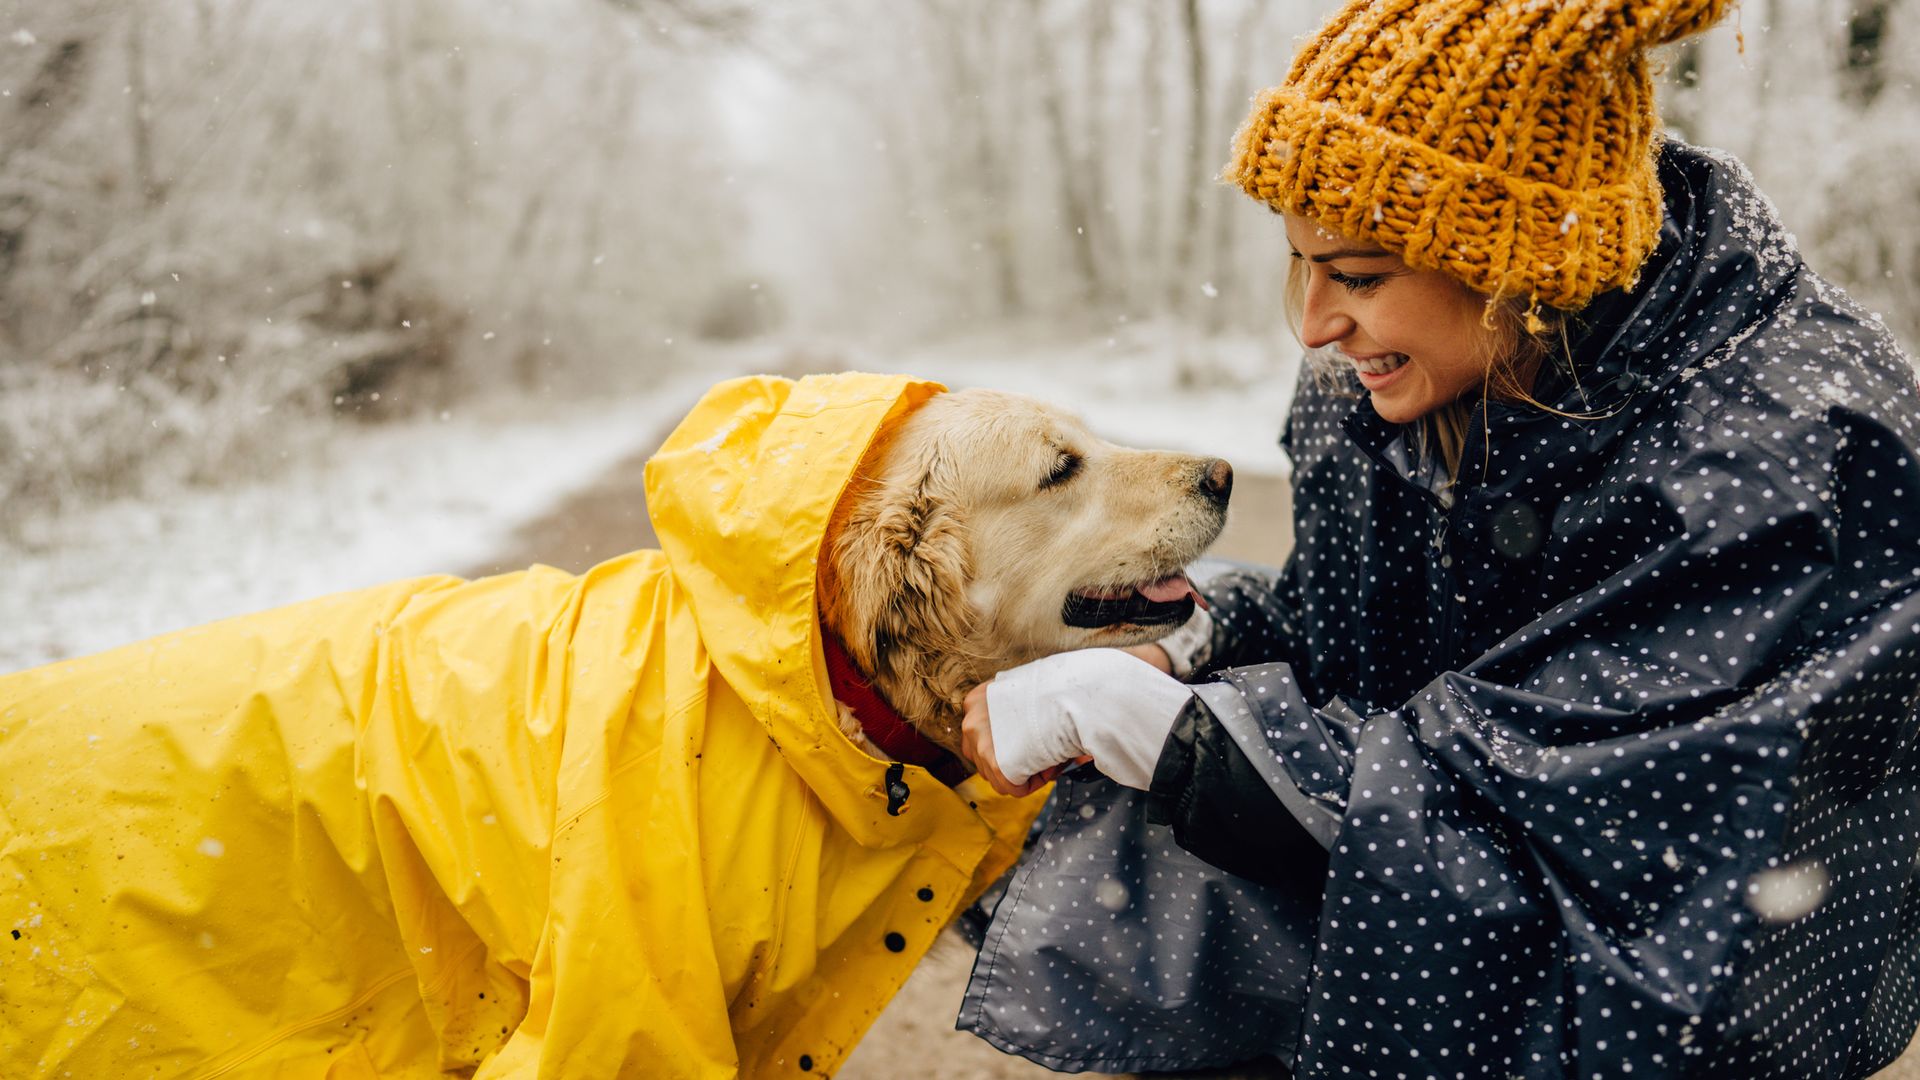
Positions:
{"x": 596, "y": 523}
{"x": 915, "y": 1036}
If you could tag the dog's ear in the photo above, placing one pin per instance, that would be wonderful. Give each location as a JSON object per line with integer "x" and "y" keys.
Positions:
{"x": 894, "y": 579}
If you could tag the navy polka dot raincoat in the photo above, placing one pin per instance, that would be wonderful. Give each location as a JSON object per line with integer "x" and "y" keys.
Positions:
{"x": 1596, "y": 762}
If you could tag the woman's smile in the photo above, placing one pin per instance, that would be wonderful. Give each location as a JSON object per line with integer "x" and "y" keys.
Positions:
{"x": 1377, "y": 371}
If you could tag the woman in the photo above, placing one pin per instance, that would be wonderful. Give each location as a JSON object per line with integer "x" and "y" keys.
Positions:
{"x": 1586, "y": 703}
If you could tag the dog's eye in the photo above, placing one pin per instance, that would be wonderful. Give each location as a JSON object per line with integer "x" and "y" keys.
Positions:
{"x": 1063, "y": 470}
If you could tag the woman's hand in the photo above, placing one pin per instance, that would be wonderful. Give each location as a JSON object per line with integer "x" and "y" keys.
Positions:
{"x": 1108, "y": 706}
{"x": 1152, "y": 653}
{"x": 976, "y": 745}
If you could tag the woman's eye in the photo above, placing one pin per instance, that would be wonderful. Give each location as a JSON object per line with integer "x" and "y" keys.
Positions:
{"x": 1354, "y": 284}
{"x": 1063, "y": 470}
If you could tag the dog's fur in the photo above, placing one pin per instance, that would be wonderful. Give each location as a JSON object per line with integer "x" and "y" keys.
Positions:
{"x": 951, "y": 555}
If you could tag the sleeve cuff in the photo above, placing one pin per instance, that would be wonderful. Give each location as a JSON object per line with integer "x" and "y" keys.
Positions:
{"x": 1189, "y": 647}
{"x": 1222, "y": 811}
{"x": 1229, "y": 708}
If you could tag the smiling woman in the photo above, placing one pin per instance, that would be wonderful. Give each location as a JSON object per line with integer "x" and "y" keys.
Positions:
{"x": 1592, "y": 675}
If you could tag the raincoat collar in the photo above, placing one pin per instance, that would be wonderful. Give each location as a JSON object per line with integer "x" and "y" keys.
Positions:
{"x": 1722, "y": 249}
{"x": 879, "y": 720}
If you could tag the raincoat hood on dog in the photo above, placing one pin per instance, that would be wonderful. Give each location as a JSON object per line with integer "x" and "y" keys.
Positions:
{"x": 538, "y": 824}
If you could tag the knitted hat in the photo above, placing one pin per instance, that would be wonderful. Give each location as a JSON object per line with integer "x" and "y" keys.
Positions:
{"x": 1508, "y": 143}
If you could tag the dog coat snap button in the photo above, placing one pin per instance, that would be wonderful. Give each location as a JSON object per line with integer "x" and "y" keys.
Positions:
{"x": 897, "y": 790}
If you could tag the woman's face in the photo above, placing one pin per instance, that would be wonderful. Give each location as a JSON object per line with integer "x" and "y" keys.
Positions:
{"x": 1413, "y": 336}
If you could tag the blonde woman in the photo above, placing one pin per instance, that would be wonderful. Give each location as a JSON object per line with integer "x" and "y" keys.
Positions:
{"x": 1583, "y": 713}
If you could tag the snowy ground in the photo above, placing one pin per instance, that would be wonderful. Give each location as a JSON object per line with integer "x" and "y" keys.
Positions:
{"x": 443, "y": 492}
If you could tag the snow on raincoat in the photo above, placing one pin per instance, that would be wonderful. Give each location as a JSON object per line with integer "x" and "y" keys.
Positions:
{"x": 1600, "y": 763}
{"x": 540, "y": 824}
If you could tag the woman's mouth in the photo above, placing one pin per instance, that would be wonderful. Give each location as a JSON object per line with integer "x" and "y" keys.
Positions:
{"x": 1377, "y": 371}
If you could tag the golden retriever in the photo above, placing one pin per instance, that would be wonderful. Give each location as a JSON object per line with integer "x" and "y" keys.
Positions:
{"x": 992, "y": 530}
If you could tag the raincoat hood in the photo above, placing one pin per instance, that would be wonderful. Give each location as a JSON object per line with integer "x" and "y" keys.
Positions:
{"x": 534, "y": 825}
{"x": 740, "y": 495}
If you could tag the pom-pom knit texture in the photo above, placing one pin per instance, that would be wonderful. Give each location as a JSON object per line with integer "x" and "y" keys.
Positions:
{"x": 1508, "y": 143}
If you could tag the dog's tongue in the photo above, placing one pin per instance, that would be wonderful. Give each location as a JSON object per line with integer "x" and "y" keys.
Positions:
{"x": 1172, "y": 588}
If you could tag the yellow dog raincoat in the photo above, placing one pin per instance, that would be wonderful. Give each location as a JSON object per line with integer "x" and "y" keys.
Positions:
{"x": 534, "y": 825}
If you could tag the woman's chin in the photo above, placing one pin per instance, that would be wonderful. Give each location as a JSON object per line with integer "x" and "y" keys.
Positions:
{"x": 1395, "y": 408}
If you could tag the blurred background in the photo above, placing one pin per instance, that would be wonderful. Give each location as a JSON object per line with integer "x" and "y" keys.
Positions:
{"x": 297, "y": 297}
{"x": 278, "y": 278}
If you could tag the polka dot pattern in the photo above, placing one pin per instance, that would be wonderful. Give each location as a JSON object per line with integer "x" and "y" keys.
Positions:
{"x": 1114, "y": 950}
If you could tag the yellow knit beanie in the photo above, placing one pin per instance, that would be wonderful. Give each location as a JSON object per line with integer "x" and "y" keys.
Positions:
{"x": 1508, "y": 143}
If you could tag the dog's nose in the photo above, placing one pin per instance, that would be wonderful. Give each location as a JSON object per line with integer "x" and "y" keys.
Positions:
{"x": 1216, "y": 481}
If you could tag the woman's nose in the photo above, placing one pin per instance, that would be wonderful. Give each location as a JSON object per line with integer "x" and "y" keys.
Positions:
{"x": 1322, "y": 322}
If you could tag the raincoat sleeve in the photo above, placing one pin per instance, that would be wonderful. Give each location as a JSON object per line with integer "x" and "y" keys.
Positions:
{"x": 1587, "y": 816}
{"x": 1236, "y": 809}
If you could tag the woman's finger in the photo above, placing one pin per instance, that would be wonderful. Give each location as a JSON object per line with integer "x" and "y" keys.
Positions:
{"x": 976, "y": 740}
{"x": 976, "y": 745}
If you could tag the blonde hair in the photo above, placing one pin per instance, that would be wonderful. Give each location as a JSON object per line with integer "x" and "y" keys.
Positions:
{"x": 1518, "y": 338}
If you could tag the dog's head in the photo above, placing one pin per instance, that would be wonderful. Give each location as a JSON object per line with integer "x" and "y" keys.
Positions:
{"x": 988, "y": 529}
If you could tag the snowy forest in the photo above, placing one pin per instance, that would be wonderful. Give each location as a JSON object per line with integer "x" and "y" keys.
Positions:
{"x": 230, "y": 227}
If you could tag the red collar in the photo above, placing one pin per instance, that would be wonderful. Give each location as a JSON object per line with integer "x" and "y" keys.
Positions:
{"x": 894, "y": 736}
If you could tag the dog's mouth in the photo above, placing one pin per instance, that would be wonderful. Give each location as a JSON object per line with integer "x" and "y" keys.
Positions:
{"x": 1155, "y": 603}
